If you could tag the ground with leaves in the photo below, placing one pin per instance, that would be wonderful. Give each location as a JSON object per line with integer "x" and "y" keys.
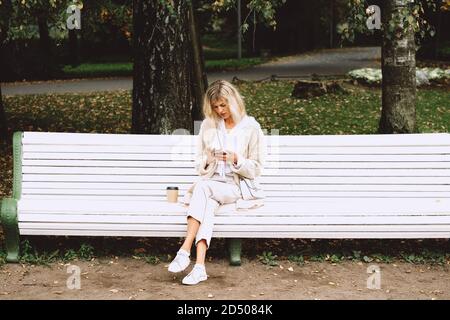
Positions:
{"x": 128, "y": 278}
{"x": 129, "y": 268}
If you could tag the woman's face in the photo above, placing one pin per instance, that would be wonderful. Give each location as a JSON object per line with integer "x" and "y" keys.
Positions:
{"x": 221, "y": 107}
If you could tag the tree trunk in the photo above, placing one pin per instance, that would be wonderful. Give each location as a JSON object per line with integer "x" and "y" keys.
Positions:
{"x": 437, "y": 40}
{"x": 6, "y": 8}
{"x": 3, "y": 125}
{"x": 201, "y": 80}
{"x": 398, "y": 113}
{"x": 163, "y": 76}
{"x": 44, "y": 43}
{"x": 332, "y": 23}
{"x": 73, "y": 48}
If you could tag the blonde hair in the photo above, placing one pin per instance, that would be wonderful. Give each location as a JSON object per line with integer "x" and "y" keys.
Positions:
{"x": 223, "y": 89}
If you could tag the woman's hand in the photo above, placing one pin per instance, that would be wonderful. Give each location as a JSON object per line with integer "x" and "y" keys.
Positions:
{"x": 227, "y": 155}
{"x": 210, "y": 156}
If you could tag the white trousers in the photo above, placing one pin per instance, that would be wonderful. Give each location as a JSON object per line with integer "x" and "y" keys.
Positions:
{"x": 207, "y": 196}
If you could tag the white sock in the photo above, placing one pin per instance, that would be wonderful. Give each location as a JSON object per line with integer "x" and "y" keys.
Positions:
{"x": 184, "y": 252}
{"x": 200, "y": 266}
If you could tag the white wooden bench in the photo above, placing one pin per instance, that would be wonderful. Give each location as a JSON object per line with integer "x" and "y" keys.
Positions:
{"x": 336, "y": 186}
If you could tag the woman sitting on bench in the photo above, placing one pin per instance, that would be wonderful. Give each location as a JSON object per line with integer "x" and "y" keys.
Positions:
{"x": 231, "y": 144}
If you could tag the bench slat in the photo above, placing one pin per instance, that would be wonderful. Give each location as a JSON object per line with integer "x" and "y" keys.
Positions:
{"x": 349, "y": 197}
{"x": 414, "y": 139}
{"x": 268, "y": 164}
{"x": 243, "y": 220}
{"x": 229, "y": 228}
{"x": 246, "y": 234}
{"x": 230, "y": 211}
{"x": 270, "y": 157}
{"x": 160, "y": 187}
{"x": 271, "y": 195}
{"x": 311, "y": 206}
{"x": 263, "y": 179}
{"x": 267, "y": 172}
{"x": 130, "y": 149}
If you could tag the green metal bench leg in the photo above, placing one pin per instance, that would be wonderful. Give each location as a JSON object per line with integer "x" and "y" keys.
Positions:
{"x": 234, "y": 248}
{"x": 8, "y": 218}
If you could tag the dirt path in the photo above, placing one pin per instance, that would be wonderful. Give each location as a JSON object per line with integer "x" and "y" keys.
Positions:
{"x": 128, "y": 278}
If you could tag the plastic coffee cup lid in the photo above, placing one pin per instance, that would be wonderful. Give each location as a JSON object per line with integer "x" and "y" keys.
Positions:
{"x": 172, "y": 188}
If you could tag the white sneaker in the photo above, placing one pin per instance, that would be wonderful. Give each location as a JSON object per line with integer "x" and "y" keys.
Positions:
{"x": 180, "y": 262}
{"x": 197, "y": 275}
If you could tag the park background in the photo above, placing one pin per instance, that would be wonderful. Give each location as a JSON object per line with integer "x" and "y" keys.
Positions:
{"x": 82, "y": 80}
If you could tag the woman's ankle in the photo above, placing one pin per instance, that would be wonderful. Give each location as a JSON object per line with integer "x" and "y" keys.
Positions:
{"x": 186, "y": 248}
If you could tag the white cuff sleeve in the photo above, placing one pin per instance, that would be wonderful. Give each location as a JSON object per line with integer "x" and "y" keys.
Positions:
{"x": 240, "y": 160}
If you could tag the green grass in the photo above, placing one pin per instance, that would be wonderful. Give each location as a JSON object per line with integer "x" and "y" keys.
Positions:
{"x": 355, "y": 113}
{"x": 31, "y": 255}
{"x": 271, "y": 104}
{"x": 268, "y": 259}
{"x": 421, "y": 257}
{"x": 2, "y": 257}
{"x": 218, "y": 47}
{"x": 220, "y": 55}
{"x": 87, "y": 70}
{"x": 232, "y": 64}
{"x": 125, "y": 69}
{"x": 43, "y": 252}
{"x": 444, "y": 50}
{"x": 151, "y": 259}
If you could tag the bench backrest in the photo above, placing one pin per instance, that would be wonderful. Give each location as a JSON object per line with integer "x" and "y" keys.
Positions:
{"x": 140, "y": 167}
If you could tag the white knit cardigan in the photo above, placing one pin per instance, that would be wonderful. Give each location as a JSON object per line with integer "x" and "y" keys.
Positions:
{"x": 251, "y": 152}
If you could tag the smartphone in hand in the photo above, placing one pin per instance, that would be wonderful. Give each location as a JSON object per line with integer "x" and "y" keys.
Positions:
{"x": 220, "y": 155}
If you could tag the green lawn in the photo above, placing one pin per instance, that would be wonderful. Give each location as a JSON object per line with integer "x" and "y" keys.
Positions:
{"x": 354, "y": 113}
{"x": 444, "y": 51}
{"x": 220, "y": 55}
{"x": 124, "y": 69}
{"x": 232, "y": 64}
{"x": 99, "y": 69}
{"x": 217, "y": 47}
{"x": 357, "y": 112}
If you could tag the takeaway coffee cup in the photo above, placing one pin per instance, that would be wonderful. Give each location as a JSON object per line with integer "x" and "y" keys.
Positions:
{"x": 172, "y": 194}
